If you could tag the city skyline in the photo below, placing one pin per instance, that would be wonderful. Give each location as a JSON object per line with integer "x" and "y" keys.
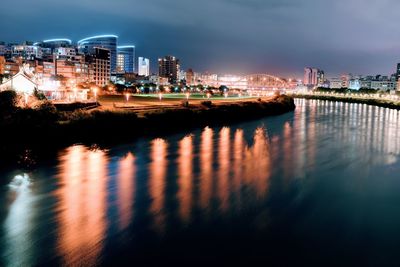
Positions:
{"x": 276, "y": 37}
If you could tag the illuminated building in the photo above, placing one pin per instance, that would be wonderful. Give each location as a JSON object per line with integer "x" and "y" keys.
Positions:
{"x": 100, "y": 70}
{"x": 23, "y": 82}
{"x": 189, "y": 77}
{"x": 54, "y": 43}
{"x": 232, "y": 81}
{"x": 398, "y": 85}
{"x": 168, "y": 67}
{"x": 384, "y": 85}
{"x": 398, "y": 71}
{"x": 4, "y": 49}
{"x": 265, "y": 82}
{"x": 65, "y": 52}
{"x": 313, "y": 77}
{"x": 126, "y": 59}
{"x": 345, "y": 80}
{"x": 90, "y": 44}
{"x": 2, "y": 65}
{"x": 335, "y": 83}
{"x": 144, "y": 66}
{"x": 48, "y": 47}
{"x": 10, "y": 68}
{"x": 354, "y": 83}
{"x": 25, "y": 51}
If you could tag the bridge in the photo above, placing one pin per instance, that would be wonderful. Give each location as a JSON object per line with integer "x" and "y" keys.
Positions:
{"x": 255, "y": 82}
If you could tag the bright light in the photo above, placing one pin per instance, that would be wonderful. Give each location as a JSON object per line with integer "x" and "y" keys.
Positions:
{"x": 187, "y": 96}
{"x": 125, "y": 46}
{"x": 95, "y": 93}
{"x": 58, "y": 40}
{"x": 160, "y": 96}
{"x": 97, "y": 37}
{"x": 127, "y": 97}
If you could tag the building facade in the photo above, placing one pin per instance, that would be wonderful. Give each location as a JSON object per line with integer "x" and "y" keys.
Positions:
{"x": 126, "y": 59}
{"x": 100, "y": 66}
{"x": 169, "y": 67}
{"x": 89, "y": 45}
{"x": 313, "y": 77}
{"x": 143, "y": 66}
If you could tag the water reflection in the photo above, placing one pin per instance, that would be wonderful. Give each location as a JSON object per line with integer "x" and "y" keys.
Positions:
{"x": 157, "y": 180}
{"x": 185, "y": 177}
{"x": 18, "y": 224}
{"x": 82, "y": 205}
{"x": 137, "y": 190}
{"x": 224, "y": 164}
{"x": 126, "y": 189}
{"x": 238, "y": 164}
{"x": 257, "y": 163}
{"x": 206, "y": 167}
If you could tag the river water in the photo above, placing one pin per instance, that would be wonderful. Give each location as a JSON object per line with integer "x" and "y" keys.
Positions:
{"x": 319, "y": 186}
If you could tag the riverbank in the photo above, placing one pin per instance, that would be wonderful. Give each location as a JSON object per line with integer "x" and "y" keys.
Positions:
{"x": 28, "y": 130}
{"x": 392, "y": 104}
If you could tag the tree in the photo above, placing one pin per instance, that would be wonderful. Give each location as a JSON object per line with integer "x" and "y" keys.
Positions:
{"x": 8, "y": 101}
{"x": 39, "y": 95}
{"x": 120, "y": 88}
{"x": 223, "y": 89}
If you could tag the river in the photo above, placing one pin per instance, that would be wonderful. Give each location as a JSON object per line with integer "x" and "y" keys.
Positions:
{"x": 318, "y": 186}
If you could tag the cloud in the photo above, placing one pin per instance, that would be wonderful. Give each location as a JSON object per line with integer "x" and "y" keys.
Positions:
{"x": 231, "y": 35}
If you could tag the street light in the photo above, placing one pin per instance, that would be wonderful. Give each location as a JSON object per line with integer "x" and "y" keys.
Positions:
{"x": 95, "y": 94}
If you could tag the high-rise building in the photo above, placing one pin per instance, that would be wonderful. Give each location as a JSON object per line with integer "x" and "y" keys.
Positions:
{"x": 313, "y": 77}
{"x": 48, "y": 47}
{"x": 5, "y": 50}
{"x": 88, "y": 46}
{"x": 126, "y": 59}
{"x": 54, "y": 43}
{"x": 398, "y": 71}
{"x": 100, "y": 66}
{"x": 168, "y": 67}
{"x": 345, "y": 80}
{"x": 189, "y": 77}
{"x": 307, "y": 76}
{"x": 144, "y": 66}
{"x": 26, "y": 51}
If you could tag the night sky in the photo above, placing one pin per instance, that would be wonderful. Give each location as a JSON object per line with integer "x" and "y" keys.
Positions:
{"x": 226, "y": 36}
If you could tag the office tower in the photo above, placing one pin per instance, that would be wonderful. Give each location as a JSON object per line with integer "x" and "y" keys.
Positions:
{"x": 313, "y": 77}
{"x": 398, "y": 71}
{"x": 126, "y": 59}
{"x": 189, "y": 77}
{"x": 144, "y": 66}
{"x": 88, "y": 46}
{"x": 100, "y": 66}
{"x": 168, "y": 67}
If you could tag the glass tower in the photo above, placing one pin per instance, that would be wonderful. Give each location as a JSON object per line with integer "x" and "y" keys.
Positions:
{"x": 126, "y": 59}
{"x": 109, "y": 42}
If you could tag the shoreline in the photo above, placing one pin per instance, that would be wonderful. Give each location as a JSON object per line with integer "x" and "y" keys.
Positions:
{"x": 22, "y": 139}
{"x": 371, "y": 102}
